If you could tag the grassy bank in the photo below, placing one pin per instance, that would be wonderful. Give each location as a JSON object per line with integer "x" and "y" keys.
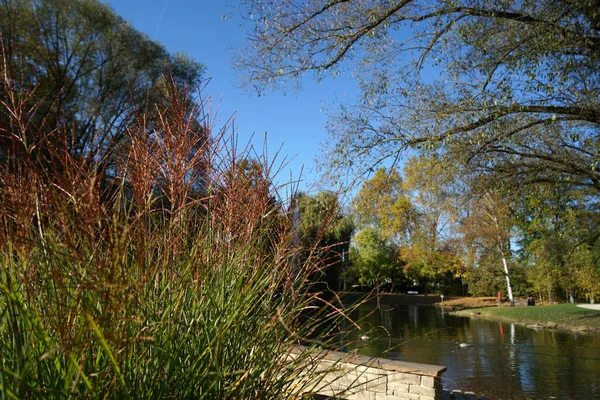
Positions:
{"x": 562, "y": 316}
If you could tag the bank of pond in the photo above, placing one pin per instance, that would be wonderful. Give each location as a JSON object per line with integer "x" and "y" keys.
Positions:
{"x": 497, "y": 359}
{"x": 570, "y": 317}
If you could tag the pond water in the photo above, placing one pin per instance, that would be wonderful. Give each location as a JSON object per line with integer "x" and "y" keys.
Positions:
{"x": 505, "y": 361}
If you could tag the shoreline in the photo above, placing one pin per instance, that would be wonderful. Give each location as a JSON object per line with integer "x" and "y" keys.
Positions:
{"x": 565, "y": 317}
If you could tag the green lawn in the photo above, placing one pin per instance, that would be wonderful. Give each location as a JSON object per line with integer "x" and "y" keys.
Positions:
{"x": 564, "y": 315}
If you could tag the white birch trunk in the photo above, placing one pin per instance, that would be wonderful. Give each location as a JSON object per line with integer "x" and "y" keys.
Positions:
{"x": 508, "y": 287}
{"x": 501, "y": 244}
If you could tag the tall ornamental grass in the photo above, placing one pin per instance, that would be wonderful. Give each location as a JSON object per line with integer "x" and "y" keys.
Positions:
{"x": 171, "y": 271}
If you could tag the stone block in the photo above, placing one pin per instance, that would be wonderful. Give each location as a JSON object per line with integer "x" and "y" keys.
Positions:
{"x": 325, "y": 365}
{"x": 409, "y": 396}
{"x": 361, "y": 369}
{"x": 401, "y": 377}
{"x": 324, "y": 390}
{"x": 332, "y": 381}
{"x": 397, "y": 388}
{"x": 354, "y": 379}
{"x": 360, "y": 396}
{"x": 376, "y": 382}
{"x": 428, "y": 381}
{"x": 380, "y": 387}
{"x": 383, "y": 396}
{"x": 420, "y": 390}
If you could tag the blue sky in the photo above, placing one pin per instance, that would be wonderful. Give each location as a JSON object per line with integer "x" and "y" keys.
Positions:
{"x": 295, "y": 121}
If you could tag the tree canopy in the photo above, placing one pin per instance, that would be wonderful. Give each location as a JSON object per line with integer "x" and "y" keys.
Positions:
{"x": 324, "y": 233}
{"x": 382, "y": 204}
{"x": 408, "y": 227}
{"x": 79, "y": 65}
{"x": 517, "y": 91}
{"x": 374, "y": 261}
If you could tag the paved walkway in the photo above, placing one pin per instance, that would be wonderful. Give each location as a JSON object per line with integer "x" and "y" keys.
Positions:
{"x": 590, "y": 306}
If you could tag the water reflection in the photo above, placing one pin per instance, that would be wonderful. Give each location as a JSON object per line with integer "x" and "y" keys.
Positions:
{"x": 505, "y": 361}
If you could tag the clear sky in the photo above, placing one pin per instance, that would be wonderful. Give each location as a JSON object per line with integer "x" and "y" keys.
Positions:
{"x": 295, "y": 121}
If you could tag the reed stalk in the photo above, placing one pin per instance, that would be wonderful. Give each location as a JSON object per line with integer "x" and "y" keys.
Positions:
{"x": 172, "y": 272}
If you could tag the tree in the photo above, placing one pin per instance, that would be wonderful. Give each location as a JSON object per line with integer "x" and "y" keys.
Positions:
{"x": 436, "y": 197}
{"x": 441, "y": 269}
{"x": 384, "y": 213}
{"x": 373, "y": 260}
{"x": 325, "y": 234}
{"x": 587, "y": 272}
{"x": 382, "y": 204}
{"x": 518, "y": 92}
{"x": 559, "y": 230}
{"x": 490, "y": 225}
{"x": 414, "y": 218}
{"x": 86, "y": 72}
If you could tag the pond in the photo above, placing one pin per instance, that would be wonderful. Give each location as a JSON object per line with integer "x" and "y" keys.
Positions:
{"x": 505, "y": 361}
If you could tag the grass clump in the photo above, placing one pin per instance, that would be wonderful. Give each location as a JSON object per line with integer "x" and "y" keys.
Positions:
{"x": 172, "y": 272}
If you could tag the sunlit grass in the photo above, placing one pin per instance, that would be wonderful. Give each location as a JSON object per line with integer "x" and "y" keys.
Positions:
{"x": 565, "y": 315}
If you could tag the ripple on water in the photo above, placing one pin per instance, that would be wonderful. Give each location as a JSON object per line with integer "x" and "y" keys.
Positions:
{"x": 505, "y": 361}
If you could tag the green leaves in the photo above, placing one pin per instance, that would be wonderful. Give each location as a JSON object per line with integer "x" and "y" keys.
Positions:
{"x": 324, "y": 233}
{"x": 373, "y": 260}
{"x": 90, "y": 69}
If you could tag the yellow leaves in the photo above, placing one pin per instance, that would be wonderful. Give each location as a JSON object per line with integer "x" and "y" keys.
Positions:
{"x": 381, "y": 202}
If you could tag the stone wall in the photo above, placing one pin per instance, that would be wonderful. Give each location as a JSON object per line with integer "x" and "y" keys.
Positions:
{"x": 355, "y": 377}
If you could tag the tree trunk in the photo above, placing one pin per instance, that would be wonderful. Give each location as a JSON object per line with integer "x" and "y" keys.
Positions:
{"x": 502, "y": 240}
{"x": 508, "y": 287}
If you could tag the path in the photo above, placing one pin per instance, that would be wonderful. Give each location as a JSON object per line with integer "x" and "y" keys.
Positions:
{"x": 590, "y": 306}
